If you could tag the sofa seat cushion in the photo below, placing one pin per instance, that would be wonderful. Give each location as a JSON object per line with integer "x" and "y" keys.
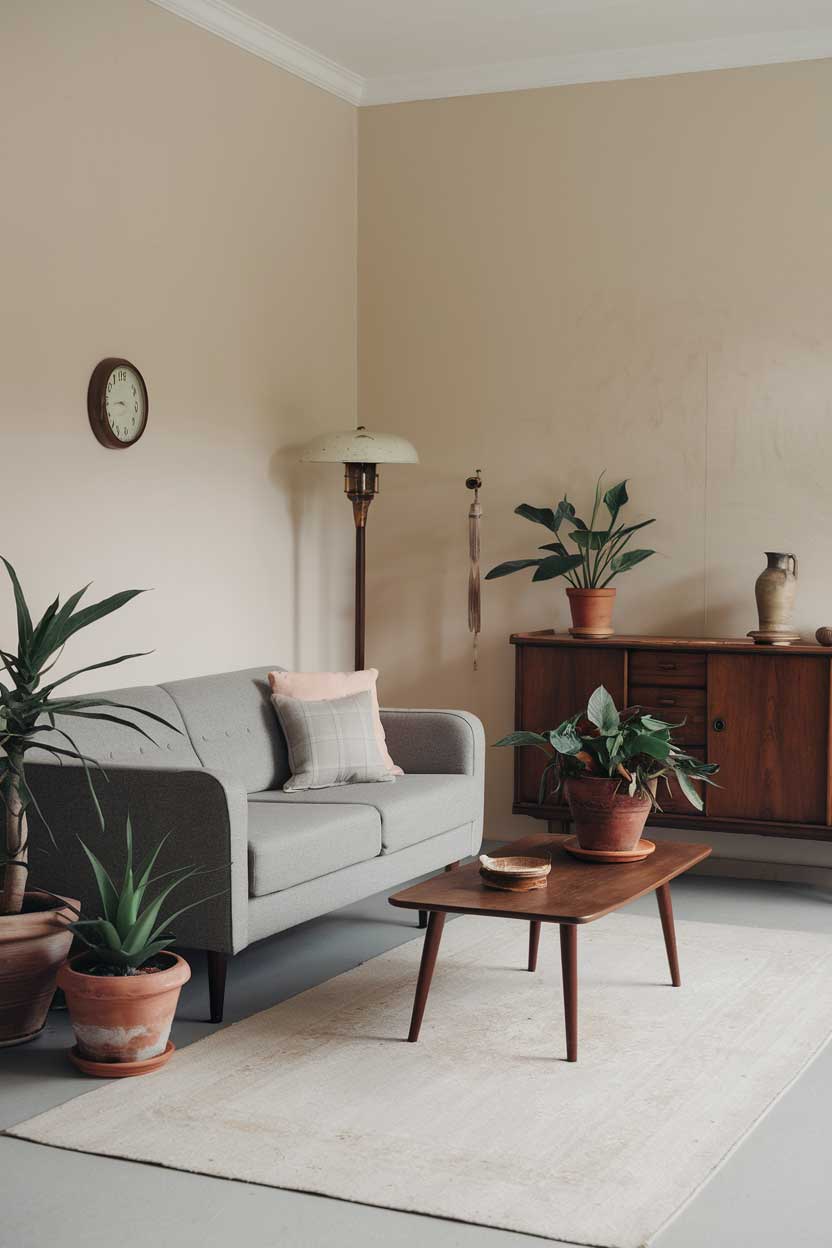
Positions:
{"x": 413, "y": 808}
{"x": 298, "y": 842}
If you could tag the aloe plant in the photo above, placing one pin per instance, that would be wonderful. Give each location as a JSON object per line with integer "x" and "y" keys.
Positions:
{"x": 28, "y": 709}
{"x": 601, "y": 548}
{"x": 130, "y": 931}
{"x": 631, "y": 745}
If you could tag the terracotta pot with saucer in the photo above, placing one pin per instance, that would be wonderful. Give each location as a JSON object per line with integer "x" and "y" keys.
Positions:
{"x": 607, "y": 820}
{"x": 122, "y": 1022}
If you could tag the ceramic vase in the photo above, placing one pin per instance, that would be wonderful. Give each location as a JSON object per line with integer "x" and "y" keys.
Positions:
{"x": 775, "y": 591}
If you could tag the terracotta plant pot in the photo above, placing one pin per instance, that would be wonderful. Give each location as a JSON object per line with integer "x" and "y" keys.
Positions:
{"x": 32, "y": 947}
{"x": 122, "y": 1018}
{"x": 591, "y": 612}
{"x": 604, "y": 814}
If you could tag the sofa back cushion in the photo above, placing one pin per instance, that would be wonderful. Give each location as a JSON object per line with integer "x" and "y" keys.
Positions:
{"x": 233, "y": 727}
{"x": 112, "y": 743}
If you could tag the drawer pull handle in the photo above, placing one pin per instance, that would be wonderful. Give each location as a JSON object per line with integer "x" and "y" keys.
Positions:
{"x": 666, "y": 701}
{"x": 719, "y": 725}
{"x": 666, "y": 667}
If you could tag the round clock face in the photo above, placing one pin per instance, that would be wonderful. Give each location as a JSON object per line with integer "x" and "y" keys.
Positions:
{"x": 124, "y": 403}
{"x": 117, "y": 403}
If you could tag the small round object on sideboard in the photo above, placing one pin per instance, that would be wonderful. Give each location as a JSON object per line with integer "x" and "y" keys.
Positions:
{"x": 824, "y": 636}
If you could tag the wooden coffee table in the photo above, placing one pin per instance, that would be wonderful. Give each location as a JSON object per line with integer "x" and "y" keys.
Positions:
{"x": 577, "y": 892}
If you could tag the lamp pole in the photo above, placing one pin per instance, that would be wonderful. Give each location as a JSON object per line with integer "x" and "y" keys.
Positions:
{"x": 360, "y": 487}
{"x": 360, "y": 451}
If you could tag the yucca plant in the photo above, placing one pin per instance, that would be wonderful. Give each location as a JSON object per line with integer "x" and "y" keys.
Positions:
{"x": 130, "y": 933}
{"x": 28, "y": 709}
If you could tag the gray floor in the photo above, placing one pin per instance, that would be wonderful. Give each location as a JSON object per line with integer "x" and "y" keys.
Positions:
{"x": 774, "y": 1190}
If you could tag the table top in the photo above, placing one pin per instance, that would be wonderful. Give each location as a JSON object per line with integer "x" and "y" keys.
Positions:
{"x": 576, "y": 891}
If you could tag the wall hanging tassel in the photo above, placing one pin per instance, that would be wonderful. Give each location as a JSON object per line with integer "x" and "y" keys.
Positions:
{"x": 474, "y": 598}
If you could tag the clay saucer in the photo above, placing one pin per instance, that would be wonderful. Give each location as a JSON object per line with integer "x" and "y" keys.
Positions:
{"x": 120, "y": 1070}
{"x": 643, "y": 850}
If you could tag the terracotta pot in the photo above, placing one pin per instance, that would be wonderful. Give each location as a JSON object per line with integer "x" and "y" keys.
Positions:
{"x": 591, "y": 612}
{"x": 122, "y": 1018}
{"x": 32, "y": 947}
{"x": 604, "y": 814}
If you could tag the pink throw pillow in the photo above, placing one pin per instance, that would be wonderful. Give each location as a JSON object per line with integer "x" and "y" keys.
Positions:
{"x": 324, "y": 686}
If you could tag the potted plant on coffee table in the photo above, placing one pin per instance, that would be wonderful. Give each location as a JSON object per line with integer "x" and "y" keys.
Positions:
{"x": 123, "y": 989}
{"x": 34, "y": 938}
{"x": 609, "y": 765}
{"x": 601, "y": 554}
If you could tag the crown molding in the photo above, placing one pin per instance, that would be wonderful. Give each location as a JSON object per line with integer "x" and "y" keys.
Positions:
{"x": 269, "y": 44}
{"x": 653, "y": 61}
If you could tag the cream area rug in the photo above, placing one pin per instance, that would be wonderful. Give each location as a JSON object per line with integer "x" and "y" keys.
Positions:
{"x": 482, "y": 1120}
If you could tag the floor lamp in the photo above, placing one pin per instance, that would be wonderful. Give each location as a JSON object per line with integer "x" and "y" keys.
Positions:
{"x": 360, "y": 451}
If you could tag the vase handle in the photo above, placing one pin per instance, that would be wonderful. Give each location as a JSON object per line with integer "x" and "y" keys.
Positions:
{"x": 794, "y": 564}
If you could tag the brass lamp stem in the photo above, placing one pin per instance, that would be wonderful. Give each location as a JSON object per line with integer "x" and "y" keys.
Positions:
{"x": 360, "y": 487}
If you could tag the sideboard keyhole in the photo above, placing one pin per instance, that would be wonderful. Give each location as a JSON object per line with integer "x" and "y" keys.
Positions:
{"x": 719, "y": 725}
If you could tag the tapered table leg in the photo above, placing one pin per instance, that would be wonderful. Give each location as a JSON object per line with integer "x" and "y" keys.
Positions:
{"x": 423, "y": 918}
{"x": 569, "y": 971}
{"x": 436, "y": 922}
{"x": 534, "y": 944}
{"x": 669, "y": 929}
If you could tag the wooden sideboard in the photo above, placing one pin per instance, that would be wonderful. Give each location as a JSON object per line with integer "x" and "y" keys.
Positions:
{"x": 761, "y": 712}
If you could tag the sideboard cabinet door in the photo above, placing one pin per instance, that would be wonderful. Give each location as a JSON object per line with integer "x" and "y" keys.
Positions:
{"x": 552, "y": 684}
{"x": 768, "y": 728}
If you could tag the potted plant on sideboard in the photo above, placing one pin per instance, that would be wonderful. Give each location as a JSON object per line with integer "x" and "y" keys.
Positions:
{"x": 34, "y": 936}
{"x": 601, "y": 555}
{"x": 609, "y": 765}
{"x": 122, "y": 991}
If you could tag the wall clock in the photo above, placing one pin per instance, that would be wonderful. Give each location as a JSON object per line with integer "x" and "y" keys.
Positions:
{"x": 117, "y": 403}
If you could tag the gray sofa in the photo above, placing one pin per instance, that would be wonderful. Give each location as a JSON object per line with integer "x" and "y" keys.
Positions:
{"x": 277, "y": 858}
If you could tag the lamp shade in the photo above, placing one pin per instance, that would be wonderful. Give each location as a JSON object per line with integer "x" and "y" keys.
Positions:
{"x": 359, "y": 446}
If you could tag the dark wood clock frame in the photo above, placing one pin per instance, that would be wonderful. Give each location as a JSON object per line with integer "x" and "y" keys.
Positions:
{"x": 96, "y": 399}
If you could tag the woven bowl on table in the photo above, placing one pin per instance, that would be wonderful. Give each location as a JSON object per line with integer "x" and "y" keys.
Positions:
{"x": 514, "y": 874}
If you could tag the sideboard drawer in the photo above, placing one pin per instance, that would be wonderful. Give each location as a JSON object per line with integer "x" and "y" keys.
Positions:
{"x": 666, "y": 667}
{"x": 674, "y": 705}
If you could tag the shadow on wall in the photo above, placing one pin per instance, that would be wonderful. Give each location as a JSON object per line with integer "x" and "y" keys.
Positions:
{"x": 320, "y": 580}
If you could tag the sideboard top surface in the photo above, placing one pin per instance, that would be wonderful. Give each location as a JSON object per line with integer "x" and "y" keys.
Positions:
{"x": 621, "y": 641}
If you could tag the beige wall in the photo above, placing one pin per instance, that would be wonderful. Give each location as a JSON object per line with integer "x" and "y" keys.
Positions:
{"x": 634, "y": 276}
{"x": 169, "y": 198}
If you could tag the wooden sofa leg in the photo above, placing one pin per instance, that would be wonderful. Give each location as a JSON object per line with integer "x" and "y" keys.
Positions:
{"x": 217, "y": 967}
{"x": 452, "y": 866}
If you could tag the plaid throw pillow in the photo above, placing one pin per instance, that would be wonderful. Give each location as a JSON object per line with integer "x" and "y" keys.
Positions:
{"x": 330, "y": 742}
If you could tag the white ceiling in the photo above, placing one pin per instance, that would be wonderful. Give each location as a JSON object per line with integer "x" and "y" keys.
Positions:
{"x": 378, "y": 51}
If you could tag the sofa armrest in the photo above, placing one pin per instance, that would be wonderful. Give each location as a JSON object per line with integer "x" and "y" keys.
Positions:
{"x": 435, "y": 742}
{"x": 204, "y": 811}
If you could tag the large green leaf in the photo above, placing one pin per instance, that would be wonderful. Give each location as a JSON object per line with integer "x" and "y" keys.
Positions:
{"x": 601, "y": 711}
{"x": 523, "y": 738}
{"x": 539, "y": 515}
{"x": 93, "y": 667}
{"x": 513, "y": 565}
{"x": 97, "y": 611}
{"x": 689, "y": 791}
{"x": 629, "y": 558}
{"x": 24, "y": 618}
{"x": 106, "y": 887}
{"x": 556, "y": 565}
{"x": 590, "y": 539}
{"x": 650, "y": 744}
{"x": 565, "y": 740}
{"x": 614, "y": 500}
